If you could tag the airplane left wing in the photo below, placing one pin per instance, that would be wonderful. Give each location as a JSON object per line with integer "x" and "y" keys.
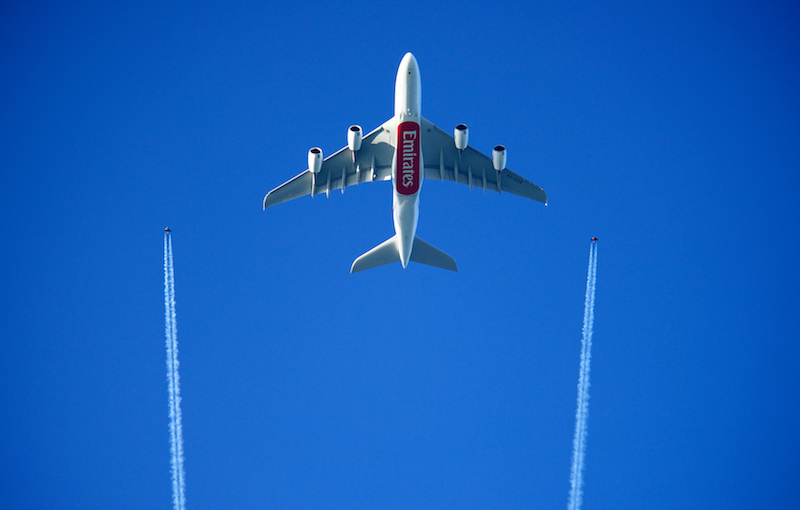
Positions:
{"x": 373, "y": 162}
{"x": 446, "y": 163}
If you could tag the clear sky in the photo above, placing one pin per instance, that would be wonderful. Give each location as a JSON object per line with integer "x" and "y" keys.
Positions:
{"x": 669, "y": 130}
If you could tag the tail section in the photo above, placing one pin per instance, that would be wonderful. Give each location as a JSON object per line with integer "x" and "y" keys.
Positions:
{"x": 384, "y": 253}
{"x": 388, "y": 252}
{"x": 424, "y": 253}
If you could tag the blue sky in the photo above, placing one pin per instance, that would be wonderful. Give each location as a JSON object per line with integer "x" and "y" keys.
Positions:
{"x": 668, "y": 131}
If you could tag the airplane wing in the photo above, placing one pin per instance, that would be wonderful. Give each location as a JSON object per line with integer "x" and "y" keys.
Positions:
{"x": 446, "y": 163}
{"x": 373, "y": 163}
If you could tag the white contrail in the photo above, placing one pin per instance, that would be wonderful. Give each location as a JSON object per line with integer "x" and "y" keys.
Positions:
{"x": 173, "y": 380}
{"x": 582, "y": 413}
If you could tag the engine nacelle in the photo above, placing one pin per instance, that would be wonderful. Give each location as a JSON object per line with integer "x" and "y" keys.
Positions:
{"x": 315, "y": 160}
{"x": 499, "y": 158}
{"x": 354, "y": 138}
{"x": 462, "y": 136}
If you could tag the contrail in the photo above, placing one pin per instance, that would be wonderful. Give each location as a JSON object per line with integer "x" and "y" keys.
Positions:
{"x": 173, "y": 380}
{"x": 582, "y": 413}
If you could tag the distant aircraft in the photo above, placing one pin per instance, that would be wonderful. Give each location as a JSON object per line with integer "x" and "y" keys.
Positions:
{"x": 594, "y": 239}
{"x": 406, "y": 149}
{"x": 167, "y": 230}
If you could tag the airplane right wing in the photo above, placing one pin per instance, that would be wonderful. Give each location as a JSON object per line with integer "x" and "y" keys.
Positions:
{"x": 446, "y": 163}
{"x": 373, "y": 163}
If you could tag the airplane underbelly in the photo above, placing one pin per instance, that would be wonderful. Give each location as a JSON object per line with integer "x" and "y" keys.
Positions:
{"x": 409, "y": 158}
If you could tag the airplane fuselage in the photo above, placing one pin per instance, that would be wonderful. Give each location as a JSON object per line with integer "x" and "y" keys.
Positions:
{"x": 407, "y": 165}
{"x": 394, "y": 150}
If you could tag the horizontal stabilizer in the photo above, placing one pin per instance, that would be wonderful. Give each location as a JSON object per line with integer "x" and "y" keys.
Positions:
{"x": 384, "y": 253}
{"x": 387, "y": 252}
{"x": 424, "y": 253}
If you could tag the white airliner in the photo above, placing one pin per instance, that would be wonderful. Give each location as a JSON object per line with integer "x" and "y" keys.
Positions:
{"x": 406, "y": 149}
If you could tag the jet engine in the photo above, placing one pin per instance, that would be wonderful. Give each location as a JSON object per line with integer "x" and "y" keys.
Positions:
{"x": 354, "y": 138}
{"x": 315, "y": 160}
{"x": 499, "y": 158}
{"x": 462, "y": 136}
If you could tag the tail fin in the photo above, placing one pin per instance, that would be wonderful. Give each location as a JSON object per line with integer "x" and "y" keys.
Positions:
{"x": 387, "y": 252}
{"x": 424, "y": 253}
{"x": 384, "y": 253}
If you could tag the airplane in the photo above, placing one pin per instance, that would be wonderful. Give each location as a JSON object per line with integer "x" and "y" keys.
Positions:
{"x": 406, "y": 149}
{"x": 167, "y": 230}
{"x": 594, "y": 239}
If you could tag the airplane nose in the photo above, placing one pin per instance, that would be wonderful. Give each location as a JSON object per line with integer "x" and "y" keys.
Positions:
{"x": 409, "y": 63}
{"x": 408, "y": 87}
